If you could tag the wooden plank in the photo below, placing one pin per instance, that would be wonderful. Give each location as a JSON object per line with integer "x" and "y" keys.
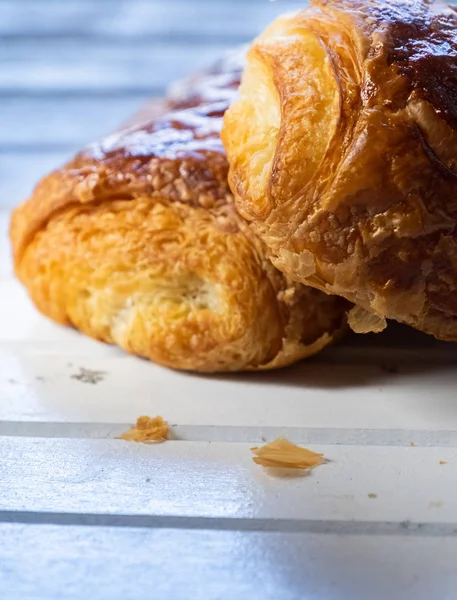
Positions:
{"x": 5, "y": 259}
{"x": 223, "y": 20}
{"x": 220, "y": 481}
{"x": 62, "y": 122}
{"x": 19, "y": 172}
{"x": 39, "y": 359}
{"x": 70, "y": 563}
{"x": 79, "y": 66}
{"x": 108, "y": 50}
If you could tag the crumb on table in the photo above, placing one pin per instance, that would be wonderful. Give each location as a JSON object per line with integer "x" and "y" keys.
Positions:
{"x": 89, "y": 376}
{"x": 147, "y": 430}
{"x": 283, "y": 453}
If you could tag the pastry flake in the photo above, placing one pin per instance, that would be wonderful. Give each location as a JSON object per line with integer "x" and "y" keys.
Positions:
{"x": 362, "y": 321}
{"x": 147, "y": 430}
{"x": 282, "y": 453}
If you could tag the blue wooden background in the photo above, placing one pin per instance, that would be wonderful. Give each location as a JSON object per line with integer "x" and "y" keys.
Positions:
{"x": 72, "y": 70}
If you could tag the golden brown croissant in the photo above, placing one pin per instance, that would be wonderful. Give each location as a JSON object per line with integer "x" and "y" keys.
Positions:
{"x": 343, "y": 154}
{"x": 137, "y": 242}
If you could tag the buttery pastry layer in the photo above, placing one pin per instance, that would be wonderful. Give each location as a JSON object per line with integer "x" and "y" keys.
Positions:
{"x": 343, "y": 154}
{"x": 137, "y": 242}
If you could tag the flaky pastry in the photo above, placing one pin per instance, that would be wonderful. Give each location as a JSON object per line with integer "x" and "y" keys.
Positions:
{"x": 343, "y": 154}
{"x": 137, "y": 242}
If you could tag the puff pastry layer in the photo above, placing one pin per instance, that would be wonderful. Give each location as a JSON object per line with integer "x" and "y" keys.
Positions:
{"x": 343, "y": 154}
{"x": 137, "y": 242}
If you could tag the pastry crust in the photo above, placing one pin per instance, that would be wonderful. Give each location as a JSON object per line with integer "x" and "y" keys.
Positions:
{"x": 137, "y": 242}
{"x": 347, "y": 167}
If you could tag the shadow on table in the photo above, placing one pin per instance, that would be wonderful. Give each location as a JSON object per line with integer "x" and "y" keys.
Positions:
{"x": 359, "y": 360}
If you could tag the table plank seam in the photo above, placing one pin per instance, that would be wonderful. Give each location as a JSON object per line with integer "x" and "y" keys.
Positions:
{"x": 280, "y": 525}
{"x": 239, "y": 434}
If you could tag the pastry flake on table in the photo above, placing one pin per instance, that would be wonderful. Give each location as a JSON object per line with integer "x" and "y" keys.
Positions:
{"x": 282, "y": 453}
{"x": 147, "y": 430}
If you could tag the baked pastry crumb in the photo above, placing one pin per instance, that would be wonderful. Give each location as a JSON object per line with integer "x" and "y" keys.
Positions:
{"x": 362, "y": 321}
{"x": 147, "y": 430}
{"x": 285, "y": 454}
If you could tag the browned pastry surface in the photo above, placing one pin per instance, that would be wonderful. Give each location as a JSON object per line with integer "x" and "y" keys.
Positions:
{"x": 343, "y": 153}
{"x": 137, "y": 242}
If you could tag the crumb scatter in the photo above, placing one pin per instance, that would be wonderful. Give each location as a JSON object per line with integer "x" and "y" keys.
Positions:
{"x": 89, "y": 376}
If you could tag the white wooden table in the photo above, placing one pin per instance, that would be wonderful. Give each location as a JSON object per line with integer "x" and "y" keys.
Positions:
{"x": 83, "y": 514}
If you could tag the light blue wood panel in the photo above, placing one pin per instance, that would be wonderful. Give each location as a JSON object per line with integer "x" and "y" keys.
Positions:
{"x": 20, "y": 171}
{"x": 73, "y": 563}
{"x": 57, "y": 65}
{"x": 218, "y": 485}
{"x": 126, "y": 18}
{"x": 64, "y": 123}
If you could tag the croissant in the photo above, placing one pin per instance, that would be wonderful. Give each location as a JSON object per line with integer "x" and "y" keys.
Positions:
{"x": 343, "y": 154}
{"x": 137, "y": 242}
